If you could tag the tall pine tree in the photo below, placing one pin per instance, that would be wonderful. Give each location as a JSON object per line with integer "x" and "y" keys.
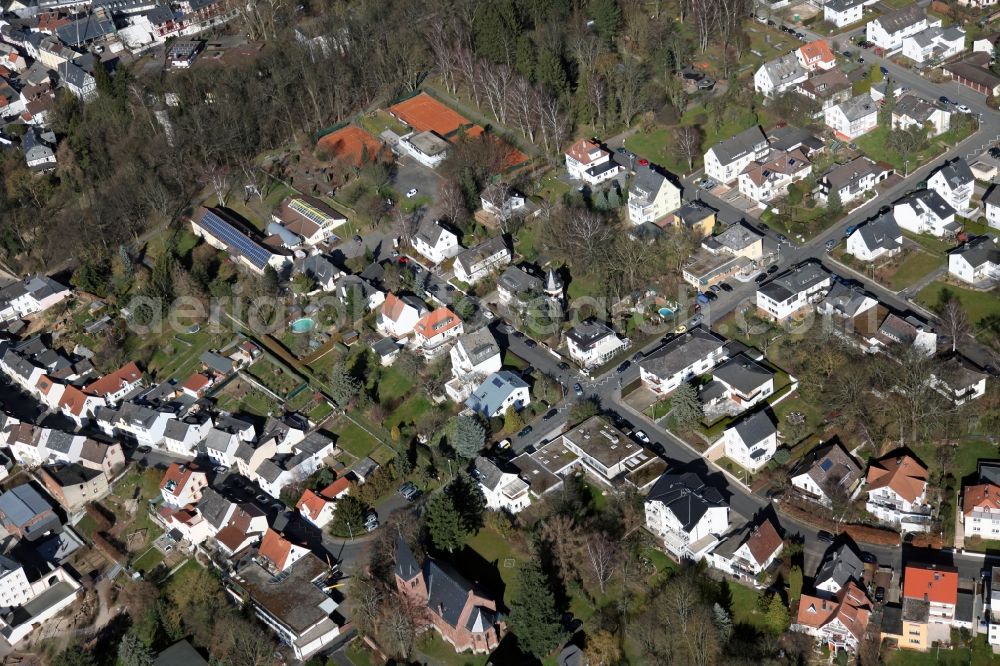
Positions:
{"x": 534, "y": 618}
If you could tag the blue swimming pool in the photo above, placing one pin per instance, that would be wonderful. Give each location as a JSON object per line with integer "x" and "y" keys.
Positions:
{"x": 303, "y": 325}
{"x": 666, "y": 312}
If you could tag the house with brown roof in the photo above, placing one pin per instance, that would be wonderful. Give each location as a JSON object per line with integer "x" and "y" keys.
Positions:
{"x": 765, "y": 181}
{"x": 459, "y": 610}
{"x": 586, "y": 160}
{"x": 829, "y": 88}
{"x": 182, "y": 484}
{"x": 435, "y": 330}
{"x": 277, "y": 554}
{"x": 107, "y": 457}
{"x": 749, "y": 551}
{"x": 79, "y": 406}
{"x": 936, "y": 585}
{"x": 114, "y": 386}
{"x": 399, "y": 315}
{"x": 308, "y": 218}
{"x": 317, "y": 506}
{"x": 827, "y": 470}
{"x": 839, "y": 623}
{"x": 244, "y": 528}
{"x": 196, "y": 385}
{"x": 897, "y": 492}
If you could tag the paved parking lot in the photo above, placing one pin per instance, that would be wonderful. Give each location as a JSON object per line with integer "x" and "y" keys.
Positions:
{"x": 411, "y": 174}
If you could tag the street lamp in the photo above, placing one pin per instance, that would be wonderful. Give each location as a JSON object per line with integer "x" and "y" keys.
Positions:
{"x": 906, "y": 168}
{"x": 350, "y": 531}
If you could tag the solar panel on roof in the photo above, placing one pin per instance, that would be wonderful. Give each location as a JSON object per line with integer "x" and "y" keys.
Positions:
{"x": 826, "y": 465}
{"x": 309, "y": 212}
{"x": 235, "y": 239}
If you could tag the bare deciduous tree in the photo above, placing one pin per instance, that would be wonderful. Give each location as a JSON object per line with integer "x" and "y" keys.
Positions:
{"x": 602, "y": 556}
{"x": 687, "y": 138}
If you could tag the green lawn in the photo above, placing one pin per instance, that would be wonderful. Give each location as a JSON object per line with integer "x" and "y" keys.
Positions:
{"x": 875, "y": 145}
{"x": 359, "y": 654}
{"x": 553, "y": 188}
{"x": 150, "y": 559}
{"x": 729, "y": 125}
{"x": 408, "y": 412}
{"x": 320, "y": 412}
{"x": 353, "y": 439}
{"x": 914, "y": 267}
{"x": 526, "y": 242}
{"x": 930, "y": 243}
{"x": 966, "y": 459}
{"x": 382, "y": 454}
{"x": 439, "y": 652}
{"x": 393, "y": 384}
{"x": 87, "y": 527}
{"x": 745, "y": 607}
{"x": 978, "y": 304}
{"x": 979, "y": 655}
{"x": 656, "y": 146}
{"x": 148, "y": 481}
{"x": 512, "y": 360}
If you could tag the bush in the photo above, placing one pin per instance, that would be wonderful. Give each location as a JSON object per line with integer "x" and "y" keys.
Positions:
{"x": 781, "y": 456}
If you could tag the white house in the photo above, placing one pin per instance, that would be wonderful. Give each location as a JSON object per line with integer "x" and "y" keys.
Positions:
{"x": 843, "y": 12}
{"x": 912, "y": 111}
{"x": 792, "y": 291}
{"x": 769, "y": 180}
{"x": 934, "y": 44}
{"x": 889, "y": 30}
{"x": 183, "y": 435}
{"x": 435, "y": 330}
{"x": 436, "y": 242}
{"x": 425, "y": 147}
{"x": 749, "y": 551}
{"x": 502, "y": 202}
{"x": 399, "y": 316}
{"x": 39, "y": 147}
{"x": 587, "y": 161}
{"x": 981, "y": 511}
{"x": 839, "y": 623}
{"x": 955, "y": 183}
{"x": 977, "y": 262}
{"x": 182, "y": 484}
{"x": 686, "y": 515}
{"x": 477, "y": 262}
{"x": 751, "y": 441}
{"x": 498, "y": 393}
{"x": 591, "y": 343}
{"x": 959, "y": 380}
{"x": 318, "y": 506}
{"x": 776, "y": 76}
{"x": 32, "y": 295}
{"x": 686, "y": 356}
{"x": 816, "y": 56}
{"x": 652, "y": 196}
{"x": 308, "y": 218}
{"x": 991, "y": 202}
{"x": 879, "y": 237}
{"x": 742, "y": 381}
{"x": 852, "y": 180}
{"x": 925, "y": 212}
{"x": 897, "y": 493}
{"x": 503, "y": 491}
{"x": 726, "y": 160}
{"x": 825, "y": 470}
{"x": 853, "y": 118}
{"x": 474, "y": 356}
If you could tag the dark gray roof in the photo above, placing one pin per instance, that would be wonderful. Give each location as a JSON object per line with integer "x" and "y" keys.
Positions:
{"x": 518, "y": 281}
{"x": 829, "y": 463}
{"x": 588, "y": 333}
{"x": 447, "y": 590}
{"x": 881, "y": 232}
{"x": 858, "y": 107}
{"x": 385, "y": 347}
{"x": 733, "y": 148}
{"x": 213, "y": 507}
{"x": 902, "y": 18}
{"x": 841, "y": 565}
{"x": 992, "y": 196}
{"x": 646, "y": 185}
{"x": 72, "y": 474}
{"x": 842, "y": 175}
{"x": 915, "y": 107}
{"x": 406, "y": 563}
{"x": 755, "y": 428}
{"x": 843, "y": 5}
{"x": 787, "y": 138}
{"x": 22, "y": 503}
{"x": 681, "y": 352}
{"x": 216, "y": 362}
{"x": 73, "y": 75}
{"x": 85, "y": 30}
{"x": 489, "y": 474}
{"x": 743, "y": 373}
{"x": 489, "y": 247}
{"x": 794, "y": 281}
{"x": 927, "y": 201}
{"x": 686, "y": 496}
{"x": 479, "y": 345}
{"x": 319, "y": 268}
{"x": 430, "y": 232}
{"x": 693, "y": 212}
{"x": 180, "y": 654}
{"x": 956, "y": 173}
{"x": 59, "y": 441}
{"x": 313, "y": 443}
{"x": 979, "y": 251}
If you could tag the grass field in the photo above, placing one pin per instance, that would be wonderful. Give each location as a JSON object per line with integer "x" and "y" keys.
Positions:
{"x": 978, "y": 304}
{"x": 979, "y": 655}
{"x": 408, "y": 412}
{"x": 745, "y": 607}
{"x": 930, "y": 243}
{"x": 353, "y": 439}
{"x": 393, "y": 384}
{"x": 914, "y": 267}
{"x": 379, "y": 121}
{"x": 875, "y": 145}
{"x": 150, "y": 559}
{"x": 657, "y": 147}
{"x": 966, "y": 458}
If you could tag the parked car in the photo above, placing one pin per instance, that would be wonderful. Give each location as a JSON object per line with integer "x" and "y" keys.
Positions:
{"x": 528, "y": 371}
{"x": 410, "y": 193}
{"x": 782, "y": 238}
{"x": 549, "y": 414}
{"x": 861, "y": 60}
{"x": 641, "y": 436}
{"x": 563, "y": 365}
{"x": 725, "y": 286}
{"x": 771, "y": 270}
{"x": 529, "y": 343}
{"x": 372, "y": 526}
{"x": 830, "y": 244}
{"x": 358, "y": 239}
{"x": 716, "y": 288}
{"x": 503, "y": 444}
{"x": 763, "y": 227}
{"x": 525, "y": 431}
{"x": 680, "y": 329}
{"x": 696, "y": 321}
{"x": 702, "y": 298}
{"x": 577, "y": 389}
{"x": 760, "y": 278}
{"x": 885, "y": 72}
{"x": 708, "y": 184}
{"x": 623, "y": 367}
{"x": 944, "y": 100}
{"x": 846, "y": 54}
{"x": 636, "y": 357}
{"x": 823, "y": 535}
{"x": 710, "y": 295}
{"x": 963, "y": 108}
{"x": 488, "y": 315}
{"x": 879, "y": 594}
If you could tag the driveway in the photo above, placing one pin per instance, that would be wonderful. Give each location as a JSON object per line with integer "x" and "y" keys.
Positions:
{"x": 410, "y": 174}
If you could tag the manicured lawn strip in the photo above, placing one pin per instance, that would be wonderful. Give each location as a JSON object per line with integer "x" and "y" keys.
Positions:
{"x": 433, "y": 646}
{"x": 967, "y": 456}
{"x": 353, "y": 439}
{"x": 408, "y": 412}
{"x": 875, "y": 145}
{"x": 978, "y": 304}
{"x": 320, "y": 412}
{"x": 930, "y": 243}
{"x": 512, "y": 360}
{"x": 87, "y": 526}
{"x": 745, "y": 607}
{"x": 914, "y": 267}
{"x": 656, "y": 146}
{"x": 979, "y": 655}
{"x": 393, "y": 384}
{"x": 148, "y": 561}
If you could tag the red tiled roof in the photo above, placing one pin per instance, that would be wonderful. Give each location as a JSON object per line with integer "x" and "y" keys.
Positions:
{"x": 982, "y": 496}
{"x": 393, "y": 307}
{"x": 73, "y": 400}
{"x": 196, "y": 382}
{"x": 113, "y": 382}
{"x": 437, "y": 322}
{"x": 275, "y": 548}
{"x": 818, "y": 50}
{"x": 851, "y": 607}
{"x": 580, "y": 151}
{"x": 936, "y": 585}
{"x": 337, "y": 488}
{"x": 179, "y": 474}
{"x": 312, "y": 503}
{"x": 903, "y": 474}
